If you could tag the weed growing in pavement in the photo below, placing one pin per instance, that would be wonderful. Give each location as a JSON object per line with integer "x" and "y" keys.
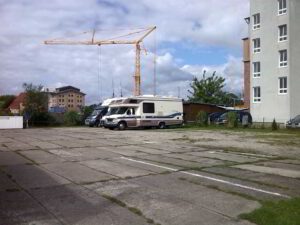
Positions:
{"x": 132, "y": 209}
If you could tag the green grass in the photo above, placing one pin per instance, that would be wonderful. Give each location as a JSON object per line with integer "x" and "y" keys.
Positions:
{"x": 213, "y": 127}
{"x": 285, "y": 212}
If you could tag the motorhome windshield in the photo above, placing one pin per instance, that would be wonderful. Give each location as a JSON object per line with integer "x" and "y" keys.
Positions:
{"x": 119, "y": 110}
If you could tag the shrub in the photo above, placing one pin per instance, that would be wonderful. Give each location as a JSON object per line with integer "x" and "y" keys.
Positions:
{"x": 274, "y": 125}
{"x": 72, "y": 118}
{"x": 42, "y": 119}
{"x": 202, "y": 118}
{"x": 232, "y": 119}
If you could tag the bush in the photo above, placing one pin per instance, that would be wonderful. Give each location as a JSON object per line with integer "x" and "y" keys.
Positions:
{"x": 274, "y": 125}
{"x": 42, "y": 119}
{"x": 202, "y": 118}
{"x": 232, "y": 119}
{"x": 72, "y": 118}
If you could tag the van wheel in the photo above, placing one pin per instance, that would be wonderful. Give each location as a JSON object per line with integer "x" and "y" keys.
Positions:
{"x": 161, "y": 125}
{"x": 122, "y": 126}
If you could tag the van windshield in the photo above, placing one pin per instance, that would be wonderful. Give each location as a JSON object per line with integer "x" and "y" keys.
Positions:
{"x": 96, "y": 112}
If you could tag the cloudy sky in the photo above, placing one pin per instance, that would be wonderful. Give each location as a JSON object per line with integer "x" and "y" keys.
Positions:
{"x": 191, "y": 36}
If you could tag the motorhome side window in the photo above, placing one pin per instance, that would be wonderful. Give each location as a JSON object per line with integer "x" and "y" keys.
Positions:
{"x": 131, "y": 111}
{"x": 148, "y": 108}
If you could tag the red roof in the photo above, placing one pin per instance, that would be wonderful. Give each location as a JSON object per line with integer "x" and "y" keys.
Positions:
{"x": 17, "y": 101}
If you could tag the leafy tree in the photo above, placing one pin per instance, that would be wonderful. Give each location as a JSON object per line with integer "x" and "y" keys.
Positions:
{"x": 87, "y": 110}
{"x": 210, "y": 90}
{"x": 36, "y": 101}
{"x": 36, "y": 105}
{"x": 5, "y": 101}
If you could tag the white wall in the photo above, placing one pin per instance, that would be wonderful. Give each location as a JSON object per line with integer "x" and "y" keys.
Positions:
{"x": 11, "y": 122}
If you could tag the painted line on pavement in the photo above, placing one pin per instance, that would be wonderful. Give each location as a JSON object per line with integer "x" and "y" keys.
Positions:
{"x": 210, "y": 178}
{"x": 150, "y": 164}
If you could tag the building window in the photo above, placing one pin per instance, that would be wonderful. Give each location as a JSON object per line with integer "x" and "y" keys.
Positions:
{"x": 283, "y": 58}
{"x": 282, "y": 9}
{"x": 148, "y": 108}
{"x": 256, "y": 21}
{"x": 256, "y": 69}
{"x": 282, "y": 33}
{"x": 256, "y": 94}
{"x": 282, "y": 85}
{"x": 256, "y": 45}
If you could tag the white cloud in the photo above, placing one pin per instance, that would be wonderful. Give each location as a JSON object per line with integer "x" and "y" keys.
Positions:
{"x": 26, "y": 23}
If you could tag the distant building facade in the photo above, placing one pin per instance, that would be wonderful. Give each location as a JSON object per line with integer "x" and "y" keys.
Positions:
{"x": 273, "y": 83}
{"x": 68, "y": 98}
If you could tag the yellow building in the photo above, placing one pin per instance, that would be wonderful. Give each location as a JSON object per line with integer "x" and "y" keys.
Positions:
{"x": 67, "y": 97}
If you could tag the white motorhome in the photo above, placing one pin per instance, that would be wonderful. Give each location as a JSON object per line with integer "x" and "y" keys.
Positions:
{"x": 144, "y": 111}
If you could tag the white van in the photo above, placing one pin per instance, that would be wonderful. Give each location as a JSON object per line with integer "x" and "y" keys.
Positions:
{"x": 144, "y": 111}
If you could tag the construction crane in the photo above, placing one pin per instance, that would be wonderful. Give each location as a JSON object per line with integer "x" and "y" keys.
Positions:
{"x": 115, "y": 41}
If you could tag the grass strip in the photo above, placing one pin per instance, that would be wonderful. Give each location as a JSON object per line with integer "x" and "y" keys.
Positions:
{"x": 284, "y": 212}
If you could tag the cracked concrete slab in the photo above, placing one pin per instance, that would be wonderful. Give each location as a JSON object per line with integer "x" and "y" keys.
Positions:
{"x": 40, "y": 156}
{"x": 12, "y": 158}
{"x": 171, "y": 202}
{"x": 225, "y": 156}
{"x": 20, "y": 208}
{"x": 32, "y": 176}
{"x": 77, "y": 205}
{"x": 77, "y": 172}
{"x": 116, "y": 169}
{"x": 271, "y": 170}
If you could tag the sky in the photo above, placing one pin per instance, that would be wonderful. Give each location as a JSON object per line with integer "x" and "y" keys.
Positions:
{"x": 191, "y": 36}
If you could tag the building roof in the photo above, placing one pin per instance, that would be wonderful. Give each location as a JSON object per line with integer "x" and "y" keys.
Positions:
{"x": 66, "y": 89}
{"x": 17, "y": 101}
{"x": 199, "y": 103}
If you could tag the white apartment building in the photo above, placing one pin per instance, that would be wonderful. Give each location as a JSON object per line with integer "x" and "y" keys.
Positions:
{"x": 274, "y": 35}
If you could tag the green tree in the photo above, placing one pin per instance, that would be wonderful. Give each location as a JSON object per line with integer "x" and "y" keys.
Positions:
{"x": 5, "y": 101}
{"x": 211, "y": 90}
{"x": 36, "y": 105}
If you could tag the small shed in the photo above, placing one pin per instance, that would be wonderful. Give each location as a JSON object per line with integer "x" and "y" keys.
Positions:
{"x": 191, "y": 109}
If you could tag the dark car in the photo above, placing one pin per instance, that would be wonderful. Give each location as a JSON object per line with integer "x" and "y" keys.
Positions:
{"x": 94, "y": 119}
{"x": 293, "y": 123}
{"x": 214, "y": 116}
{"x": 243, "y": 117}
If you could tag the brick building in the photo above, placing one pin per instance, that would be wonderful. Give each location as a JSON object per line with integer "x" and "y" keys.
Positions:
{"x": 68, "y": 97}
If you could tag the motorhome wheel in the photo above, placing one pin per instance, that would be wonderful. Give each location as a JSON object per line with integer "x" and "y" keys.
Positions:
{"x": 122, "y": 126}
{"x": 161, "y": 125}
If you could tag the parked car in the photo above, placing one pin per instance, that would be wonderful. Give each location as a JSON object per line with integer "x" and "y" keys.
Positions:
{"x": 293, "y": 123}
{"x": 222, "y": 119}
{"x": 94, "y": 119}
{"x": 214, "y": 116}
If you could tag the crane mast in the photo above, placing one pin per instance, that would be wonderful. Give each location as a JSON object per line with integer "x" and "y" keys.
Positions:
{"x": 115, "y": 41}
